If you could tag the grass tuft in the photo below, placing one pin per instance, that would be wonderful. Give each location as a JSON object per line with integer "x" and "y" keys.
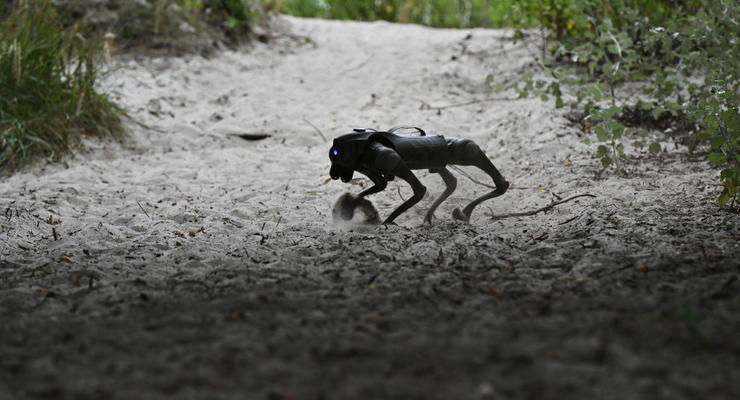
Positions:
{"x": 48, "y": 94}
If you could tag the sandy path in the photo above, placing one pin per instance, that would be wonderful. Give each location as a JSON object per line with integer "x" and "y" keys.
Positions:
{"x": 194, "y": 264}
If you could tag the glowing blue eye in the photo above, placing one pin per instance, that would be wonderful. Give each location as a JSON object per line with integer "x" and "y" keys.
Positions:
{"x": 335, "y": 152}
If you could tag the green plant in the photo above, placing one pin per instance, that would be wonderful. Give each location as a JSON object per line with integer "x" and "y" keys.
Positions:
{"x": 165, "y": 26}
{"x": 596, "y": 46}
{"x": 48, "y": 94}
{"x": 441, "y": 13}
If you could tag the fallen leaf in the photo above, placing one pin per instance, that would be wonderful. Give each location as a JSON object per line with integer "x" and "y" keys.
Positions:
{"x": 568, "y": 164}
{"x": 440, "y": 258}
{"x": 250, "y": 136}
{"x": 494, "y": 292}
{"x": 264, "y": 297}
{"x": 236, "y": 314}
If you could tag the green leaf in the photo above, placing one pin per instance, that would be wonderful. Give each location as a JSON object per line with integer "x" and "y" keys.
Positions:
{"x": 602, "y": 151}
{"x": 555, "y": 89}
{"x": 731, "y": 119}
{"x": 645, "y": 105}
{"x": 723, "y": 198}
{"x": 657, "y": 112}
{"x": 616, "y": 129}
{"x": 620, "y": 150}
{"x": 674, "y": 106}
{"x": 559, "y": 102}
{"x": 654, "y": 148}
{"x": 711, "y": 124}
{"x": 601, "y": 132}
{"x": 606, "y": 162}
{"x": 587, "y": 141}
{"x": 717, "y": 142}
{"x": 716, "y": 158}
{"x": 611, "y": 112}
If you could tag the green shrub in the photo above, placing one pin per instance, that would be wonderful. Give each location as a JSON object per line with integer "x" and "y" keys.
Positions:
{"x": 48, "y": 77}
{"x": 165, "y": 26}
{"x": 685, "y": 55}
{"x": 440, "y": 13}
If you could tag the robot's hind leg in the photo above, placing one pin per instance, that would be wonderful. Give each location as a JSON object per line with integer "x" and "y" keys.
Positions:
{"x": 451, "y": 183}
{"x": 466, "y": 152}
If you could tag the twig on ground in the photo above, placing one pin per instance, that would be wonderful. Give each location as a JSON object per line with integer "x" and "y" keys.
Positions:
{"x": 468, "y": 103}
{"x": 539, "y": 210}
{"x": 467, "y": 175}
{"x": 142, "y": 209}
{"x": 250, "y": 136}
{"x": 315, "y": 128}
{"x": 276, "y": 225}
{"x": 358, "y": 66}
{"x": 266, "y": 237}
{"x": 145, "y": 126}
{"x": 399, "y": 193}
{"x": 568, "y": 220}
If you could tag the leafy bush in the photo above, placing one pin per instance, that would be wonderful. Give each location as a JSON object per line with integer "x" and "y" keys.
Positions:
{"x": 683, "y": 53}
{"x": 441, "y": 13}
{"x": 165, "y": 26}
{"x": 48, "y": 77}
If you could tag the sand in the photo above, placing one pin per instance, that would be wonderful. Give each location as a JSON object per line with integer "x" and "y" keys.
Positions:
{"x": 188, "y": 262}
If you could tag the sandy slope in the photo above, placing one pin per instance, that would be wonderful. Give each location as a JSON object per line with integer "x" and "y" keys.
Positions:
{"x": 194, "y": 264}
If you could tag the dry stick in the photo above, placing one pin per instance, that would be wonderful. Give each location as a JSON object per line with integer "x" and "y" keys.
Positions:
{"x": 317, "y": 129}
{"x": 462, "y": 171}
{"x": 399, "y": 193}
{"x": 276, "y": 225}
{"x": 143, "y": 125}
{"x": 470, "y": 103}
{"x": 142, "y": 209}
{"x": 539, "y": 210}
{"x": 358, "y": 66}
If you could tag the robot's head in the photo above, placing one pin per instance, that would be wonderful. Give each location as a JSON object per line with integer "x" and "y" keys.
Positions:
{"x": 345, "y": 154}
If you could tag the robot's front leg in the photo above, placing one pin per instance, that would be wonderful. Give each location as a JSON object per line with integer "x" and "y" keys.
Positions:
{"x": 391, "y": 164}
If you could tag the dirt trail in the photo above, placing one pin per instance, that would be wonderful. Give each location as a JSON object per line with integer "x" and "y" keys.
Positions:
{"x": 190, "y": 263}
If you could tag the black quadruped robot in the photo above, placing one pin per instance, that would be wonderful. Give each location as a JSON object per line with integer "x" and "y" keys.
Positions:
{"x": 381, "y": 156}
